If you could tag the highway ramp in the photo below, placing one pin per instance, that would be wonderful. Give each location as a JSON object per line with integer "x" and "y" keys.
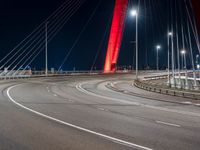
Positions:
{"x": 82, "y": 113}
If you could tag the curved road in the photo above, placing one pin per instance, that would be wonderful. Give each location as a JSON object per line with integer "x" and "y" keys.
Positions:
{"x": 83, "y": 113}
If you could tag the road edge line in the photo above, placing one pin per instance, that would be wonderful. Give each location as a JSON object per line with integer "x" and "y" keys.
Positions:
{"x": 75, "y": 126}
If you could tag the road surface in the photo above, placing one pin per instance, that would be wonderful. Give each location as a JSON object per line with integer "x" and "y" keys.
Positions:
{"x": 83, "y": 113}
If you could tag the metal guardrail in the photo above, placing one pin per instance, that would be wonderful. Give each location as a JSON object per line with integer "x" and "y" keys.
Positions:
{"x": 34, "y": 74}
{"x": 166, "y": 91}
{"x": 37, "y": 74}
{"x": 156, "y": 77}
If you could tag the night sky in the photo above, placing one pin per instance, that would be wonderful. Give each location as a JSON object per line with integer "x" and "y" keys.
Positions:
{"x": 20, "y": 17}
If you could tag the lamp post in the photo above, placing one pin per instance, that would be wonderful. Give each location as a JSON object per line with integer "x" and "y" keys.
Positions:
{"x": 183, "y": 52}
{"x": 198, "y": 67}
{"x": 158, "y": 47}
{"x": 170, "y": 34}
{"x": 46, "y": 48}
{"x": 168, "y": 57}
{"x": 134, "y": 13}
{"x": 182, "y": 61}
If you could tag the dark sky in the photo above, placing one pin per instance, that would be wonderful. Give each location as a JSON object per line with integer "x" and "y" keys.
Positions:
{"x": 20, "y": 17}
{"x": 196, "y": 5}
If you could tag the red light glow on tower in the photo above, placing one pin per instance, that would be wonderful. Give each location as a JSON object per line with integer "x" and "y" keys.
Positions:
{"x": 115, "y": 35}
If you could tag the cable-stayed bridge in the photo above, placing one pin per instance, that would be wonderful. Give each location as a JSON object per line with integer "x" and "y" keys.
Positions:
{"x": 183, "y": 42}
{"x": 114, "y": 107}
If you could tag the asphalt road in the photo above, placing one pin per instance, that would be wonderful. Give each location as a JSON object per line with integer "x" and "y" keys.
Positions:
{"x": 82, "y": 113}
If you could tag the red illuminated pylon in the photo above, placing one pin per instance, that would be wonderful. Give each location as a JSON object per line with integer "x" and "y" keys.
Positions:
{"x": 115, "y": 35}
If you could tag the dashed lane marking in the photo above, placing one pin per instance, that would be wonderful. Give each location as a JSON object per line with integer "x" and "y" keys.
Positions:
{"x": 187, "y": 102}
{"x": 81, "y": 89}
{"x": 169, "y": 124}
{"x": 197, "y": 104}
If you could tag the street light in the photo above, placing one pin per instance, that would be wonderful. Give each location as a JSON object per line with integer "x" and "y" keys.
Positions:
{"x": 197, "y": 60}
{"x": 134, "y": 13}
{"x": 170, "y": 35}
{"x": 158, "y": 47}
{"x": 183, "y": 56}
{"x": 198, "y": 69}
{"x": 46, "y": 48}
{"x": 183, "y": 52}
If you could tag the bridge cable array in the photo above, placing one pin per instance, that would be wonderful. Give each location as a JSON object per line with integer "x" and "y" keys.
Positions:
{"x": 79, "y": 35}
{"x": 27, "y": 50}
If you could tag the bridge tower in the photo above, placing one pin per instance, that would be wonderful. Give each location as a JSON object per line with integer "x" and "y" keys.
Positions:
{"x": 115, "y": 38}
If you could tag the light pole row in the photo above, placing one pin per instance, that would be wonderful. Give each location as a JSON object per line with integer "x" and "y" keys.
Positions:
{"x": 171, "y": 82}
{"x": 184, "y": 62}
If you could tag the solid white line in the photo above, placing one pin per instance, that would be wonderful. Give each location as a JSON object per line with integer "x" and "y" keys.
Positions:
{"x": 129, "y": 144}
{"x": 81, "y": 89}
{"x": 169, "y": 124}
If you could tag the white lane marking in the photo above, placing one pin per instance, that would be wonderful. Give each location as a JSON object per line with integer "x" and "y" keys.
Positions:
{"x": 48, "y": 91}
{"x": 81, "y": 89}
{"x": 197, "y": 104}
{"x": 129, "y": 144}
{"x": 169, "y": 124}
{"x": 125, "y": 91}
{"x": 187, "y": 102}
{"x": 173, "y": 110}
{"x": 101, "y": 109}
{"x": 55, "y": 95}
